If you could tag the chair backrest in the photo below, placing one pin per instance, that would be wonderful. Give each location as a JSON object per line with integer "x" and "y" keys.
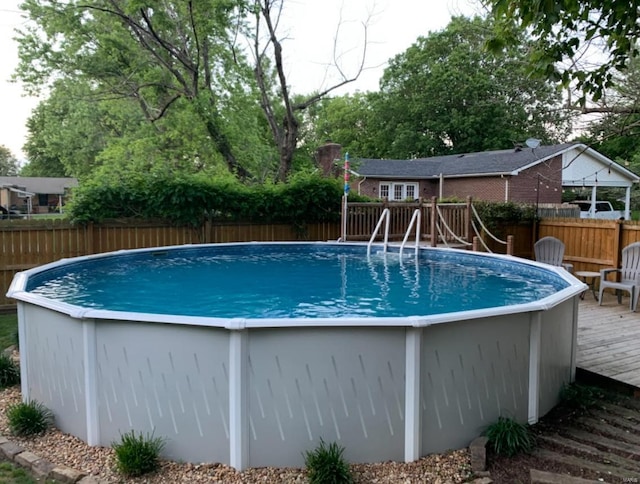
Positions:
{"x": 549, "y": 250}
{"x": 630, "y": 268}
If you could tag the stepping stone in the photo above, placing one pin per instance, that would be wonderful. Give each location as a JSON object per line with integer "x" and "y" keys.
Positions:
{"x": 587, "y": 449}
{"x": 542, "y": 477}
{"x": 620, "y": 446}
{"x": 605, "y": 469}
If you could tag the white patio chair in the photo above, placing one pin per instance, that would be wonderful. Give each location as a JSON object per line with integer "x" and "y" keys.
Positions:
{"x": 550, "y": 250}
{"x": 629, "y": 276}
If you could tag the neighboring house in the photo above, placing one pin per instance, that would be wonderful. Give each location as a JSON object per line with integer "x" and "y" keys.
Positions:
{"x": 523, "y": 174}
{"x": 35, "y": 194}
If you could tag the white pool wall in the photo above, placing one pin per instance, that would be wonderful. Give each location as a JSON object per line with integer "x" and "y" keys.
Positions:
{"x": 252, "y": 393}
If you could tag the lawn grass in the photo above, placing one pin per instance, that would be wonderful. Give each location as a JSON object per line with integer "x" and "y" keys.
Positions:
{"x": 13, "y": 474}
{"x": 8, "y": 330}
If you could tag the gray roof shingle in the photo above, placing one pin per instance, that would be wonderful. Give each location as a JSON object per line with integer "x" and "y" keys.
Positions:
{"x": 468, "y": 164}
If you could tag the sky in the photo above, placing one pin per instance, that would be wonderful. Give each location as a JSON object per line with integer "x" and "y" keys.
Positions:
{"x": 311, "y": 29}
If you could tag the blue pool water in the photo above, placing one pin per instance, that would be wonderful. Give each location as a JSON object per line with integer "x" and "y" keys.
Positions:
{"x": 293, "y": 281}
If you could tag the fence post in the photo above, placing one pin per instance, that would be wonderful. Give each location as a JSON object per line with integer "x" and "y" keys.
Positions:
{"x": 89, "y": 244}
{"x": 617, "y": 244}
{"x": 434, "y": 221}
{"x": 476, "y": 244}
{"x": 509, "y": 244}
{"x": 468, "y": 221}
{"x": 206, "y": 228}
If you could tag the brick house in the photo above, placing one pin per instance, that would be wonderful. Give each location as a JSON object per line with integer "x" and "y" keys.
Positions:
{"x": 33, "y": 195}
{"x": 522, "y": 174}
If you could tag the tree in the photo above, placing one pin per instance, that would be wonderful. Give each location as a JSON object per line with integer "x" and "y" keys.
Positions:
{"x": 155, "y": 55}
{"x": 281, "y": 110}
{"x": 447, "y": 94}
{"x": 8, "y": 162}
{"x": 173, "y": 56}
{"x": 345, "y": 120}
{"x": 565, "y": 31}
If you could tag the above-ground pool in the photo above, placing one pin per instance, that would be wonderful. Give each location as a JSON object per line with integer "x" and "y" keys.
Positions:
{"x": 249, "y": 354}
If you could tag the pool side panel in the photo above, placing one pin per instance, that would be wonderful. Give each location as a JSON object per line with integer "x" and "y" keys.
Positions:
{"x": 343, "y": 385}
{"x": 471, "y": 373}
{"x": 168, "y": 380}
{"x": 557, "y": 339}
{"x": 55, "y": 373}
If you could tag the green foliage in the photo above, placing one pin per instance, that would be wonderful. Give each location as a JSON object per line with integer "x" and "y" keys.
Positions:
{"x": 583, "y": 397}
{"x": 189, "y": 198}
{"x": 137, "y": 454}
{"x": 8, "y": 329}
{"x": 508, "y": 437}
{"x": 13, "y": 474}
{"x": 326, "y": 465}
{"x": 30, "y": 418}
{"x": 8, "y": 162}
{"x": 564, "y": 29}
{"x": 495, "y": 215}
{"x": 9, "y": 371}
{"x": 447, "y": 94}
{"x": 347, "y": 120}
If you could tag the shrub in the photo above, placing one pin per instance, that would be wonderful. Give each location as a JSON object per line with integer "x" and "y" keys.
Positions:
{"x": 30, "y": 418}
{"x": 9, "y": 371}
{"x": 325, "y": 465}
{"x": 508, "y": 437}
{"x": 138, "y": 454}
{"x": 583, "y": 397}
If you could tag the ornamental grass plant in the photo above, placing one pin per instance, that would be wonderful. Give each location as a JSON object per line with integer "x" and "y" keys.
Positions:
{"x": 138, "y": 454}
{"x": 9, "y": 371}
{"x": 327, "y": 465}
{"x": 508, "y": 437}
{"x": 29, "y": 418}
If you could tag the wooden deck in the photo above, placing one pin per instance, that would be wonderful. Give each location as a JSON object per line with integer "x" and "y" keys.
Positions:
{"x": 609, "y": 339}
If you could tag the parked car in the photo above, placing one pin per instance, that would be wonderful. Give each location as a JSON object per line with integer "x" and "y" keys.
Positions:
{"x": 5, "y": 214}
{"x": 603, "y": 209}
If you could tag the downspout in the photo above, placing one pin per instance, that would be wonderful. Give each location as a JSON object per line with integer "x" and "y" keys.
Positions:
{"x": 360, "y": 183}
{"x": 506, "y": 188}
{"x": 441, "y": 190}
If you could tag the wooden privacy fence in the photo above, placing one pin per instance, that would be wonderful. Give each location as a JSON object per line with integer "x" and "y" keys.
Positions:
{"x": 591, "y": 245}
{"x": 26, "y": 244}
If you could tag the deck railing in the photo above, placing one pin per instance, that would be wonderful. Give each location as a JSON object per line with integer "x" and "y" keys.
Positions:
{"x": 454, "y": 218}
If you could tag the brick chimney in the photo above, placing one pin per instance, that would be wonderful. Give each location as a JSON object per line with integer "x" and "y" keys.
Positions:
{"x": 326, "y": 155}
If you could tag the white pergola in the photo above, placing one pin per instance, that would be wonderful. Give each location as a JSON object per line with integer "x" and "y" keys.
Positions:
{"x": 584, "y": 167}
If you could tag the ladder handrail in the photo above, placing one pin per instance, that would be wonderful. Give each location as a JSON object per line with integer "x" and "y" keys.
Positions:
{"x": 417, "y": 216}
{"x": 385, "y": 214}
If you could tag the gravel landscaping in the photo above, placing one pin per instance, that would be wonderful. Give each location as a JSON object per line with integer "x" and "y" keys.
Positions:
{"x": 62, "y": 449}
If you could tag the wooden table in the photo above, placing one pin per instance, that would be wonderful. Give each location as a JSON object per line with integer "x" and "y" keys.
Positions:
{"x": 589, "y": 278}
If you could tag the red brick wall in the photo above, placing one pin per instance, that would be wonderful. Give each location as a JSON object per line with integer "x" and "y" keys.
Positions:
{"x": 520, "y": 188}
{"x": 479, "y": 188}
{"x": 546, "y": 176}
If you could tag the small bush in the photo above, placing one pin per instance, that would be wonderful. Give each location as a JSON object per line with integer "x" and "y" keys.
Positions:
{"x": 326, "y": 465}
{"x": 30, "y": 418}
{"x": 508, "y": 437}
{"x": 583, "y": 397}
{"x": 138, "y": 454}
{"x": 9, "y": 371}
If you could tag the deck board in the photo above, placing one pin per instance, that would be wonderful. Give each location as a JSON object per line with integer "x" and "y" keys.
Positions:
{"x": 609, "y": 339}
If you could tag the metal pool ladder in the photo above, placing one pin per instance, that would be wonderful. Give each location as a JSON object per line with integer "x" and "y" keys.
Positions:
{"x": 384, "y": 216}
{"x": 416, "y": 219}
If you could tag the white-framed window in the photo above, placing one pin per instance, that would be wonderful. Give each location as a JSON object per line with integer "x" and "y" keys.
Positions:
{"x": 398, "y": 191}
